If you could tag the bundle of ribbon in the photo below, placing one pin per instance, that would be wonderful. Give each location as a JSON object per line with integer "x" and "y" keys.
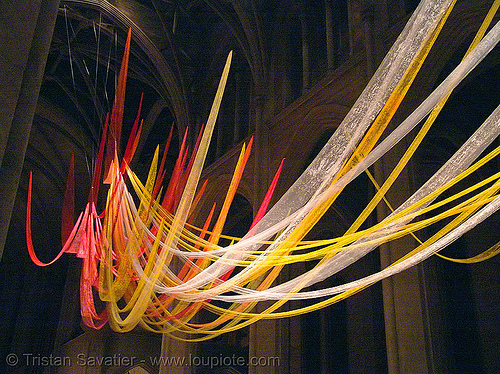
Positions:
{"x": 153, "y": 268}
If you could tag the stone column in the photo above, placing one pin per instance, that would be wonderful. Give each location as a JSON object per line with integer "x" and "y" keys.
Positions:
{"x": 237, "y": 108}
{"x": 367, "y": 17}
{"x": 267, "y": 348}
{"x": 330, "y": 42}
{"x": 306, "y": 73}
{"x": 266, "y": 340}
{"x": 404, "y": 297}
{"x": 173, "y": 351}
{"x": 26, "y": 27}
{"x": 405, "y": 311}
{"x": 261, "y": 151}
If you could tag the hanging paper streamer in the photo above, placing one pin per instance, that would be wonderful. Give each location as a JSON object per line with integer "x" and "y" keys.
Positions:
{"x": 153, "y": 268}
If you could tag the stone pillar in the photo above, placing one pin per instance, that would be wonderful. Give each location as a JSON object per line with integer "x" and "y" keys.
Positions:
{"x": 330, "y": 42}
{"x": 266, "y": 336}
{"x": 368, "y": 31}
{"x": 404, "y": 298}
{"x": 306, "y": 73}
{"x": 237, "y": 108}
{"x": 261, "y": 152}
{"x": 26, "y": 27}
{"x": 266, "y": 351}
{"x": 70, "y": 317}
{"x": 176, "y": 351}
{"x": 405, "y": 311}
{"x": 295, "y": 342}
{"x": 220, "y": 149}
